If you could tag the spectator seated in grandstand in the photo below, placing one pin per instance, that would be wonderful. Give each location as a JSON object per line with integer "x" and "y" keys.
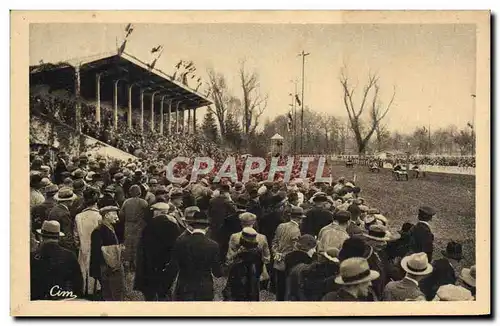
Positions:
{"x": 349, "y": 163}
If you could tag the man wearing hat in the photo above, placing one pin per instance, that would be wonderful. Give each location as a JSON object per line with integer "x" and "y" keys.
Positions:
{"x": 417, "y": 267}
{"x": 220, "y": 208}
{"x": 355, "y": 278}
{"x": 85, "y": 223}
{"x": 421, "y": 237}
{"x": 61, "y": 213}
{"x": 444, "y": 270}
{"x": 176, "y": 203}
{"x": 36, "y": 197}
{"x": 118, "y": 181}
{"x": 155, "y": 274}
{"x": 355, "y": 225}
{"x": 283, "y": 243}
{"x": 335, "y": 233}
{"x": 318, "y": 216}
{"x": 54, "y": 269}
{"x": 377, "y": 238}
{"x": 105, "y": 256}
{"x": 40, "y": 212}
{"x": 467, "y": 279}
{"x": 243, "y": 283}
{"x": 248, "y": 219}
{"x": 197, "y": 259}
{"x": 133, "y": 212}
{"x": 108, "y": 197}
{"x": 78, "y": 189}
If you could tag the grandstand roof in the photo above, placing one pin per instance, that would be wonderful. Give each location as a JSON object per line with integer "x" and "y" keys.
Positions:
{"x": 130, "y": 69}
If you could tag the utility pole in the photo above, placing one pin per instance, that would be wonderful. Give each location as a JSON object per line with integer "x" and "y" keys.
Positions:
{"x": 294, "y": 117}
{"x": 303, "y": 55}
{"x": 430, "y": 130}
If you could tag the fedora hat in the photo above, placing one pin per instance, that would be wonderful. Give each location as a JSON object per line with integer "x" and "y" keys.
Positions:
{"x": 306, "y": 242}
{"x": 249, "y": 234}
{"x": 51, "y": 189}
{"x": 355, "y": 247}
{"x": 118, "y": 176}
{"x": 160, "y": 206}
{"x": 65, "y": 194}
{"x": 453, "y": 250}
{"x": 468, "y": 275}
{"x": 355, "y": 271}
{"x": 78, "y": 173}
{"x": 198, "y": 218}
{"x": 451, "y": 292}
{"x": 297, "y": 211}
{"x": 417, "y": 264}
{"x": 379, "y": 233}
{"x": 50, "y": 229}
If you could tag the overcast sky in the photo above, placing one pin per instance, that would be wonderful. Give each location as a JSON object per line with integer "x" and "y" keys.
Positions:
{"x": 430, "y": 65}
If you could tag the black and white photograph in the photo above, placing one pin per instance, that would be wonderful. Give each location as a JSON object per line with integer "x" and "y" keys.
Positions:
{"x": 277, "y": 157}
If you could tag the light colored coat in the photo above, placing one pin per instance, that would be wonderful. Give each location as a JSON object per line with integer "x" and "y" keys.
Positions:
{"x": 332, "y": 235}
{"x": 85, "y": 224}
{"x": 262, "y": 244}
{"x": 284, "y": 241}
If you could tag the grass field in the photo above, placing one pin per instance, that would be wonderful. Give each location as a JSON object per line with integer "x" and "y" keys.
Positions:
{"x": 453, "y": 196}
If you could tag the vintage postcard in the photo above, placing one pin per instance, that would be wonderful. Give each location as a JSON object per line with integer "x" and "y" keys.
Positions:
{"x": 180, "y": 159}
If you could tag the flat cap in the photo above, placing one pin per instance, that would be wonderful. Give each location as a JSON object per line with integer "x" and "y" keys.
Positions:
{"x": 426, "y": 210}
{"x": 160, "y": 206}
{"x": 106, "y": 209}
{"x": 247, "y": 217}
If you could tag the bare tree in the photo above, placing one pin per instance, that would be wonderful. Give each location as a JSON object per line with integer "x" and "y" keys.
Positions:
{"x": 219, "y": 94}
{"x": 362, "y": 129}
{"x": 253, "y": 102}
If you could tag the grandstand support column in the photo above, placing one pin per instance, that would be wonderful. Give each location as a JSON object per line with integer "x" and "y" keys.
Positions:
{"x": 177, "y": 118}
{"x": 153, "y": 111}
{"x": 194, "y": 121}
{"x": 78, "y": 107}
{"x": 142, "y": 111}
{"x": 129, "y": 115}
{"x": 169, "y": 117}
{"x": 162, "y": 117}
{"x": 98, "y": 98}
{"x": 115, "y": 105}
{"x": 189, "y": 122}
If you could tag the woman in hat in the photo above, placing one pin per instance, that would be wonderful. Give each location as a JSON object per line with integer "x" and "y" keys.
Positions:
{"x": 355, "y": 279}
{"x": 245, "y": 269}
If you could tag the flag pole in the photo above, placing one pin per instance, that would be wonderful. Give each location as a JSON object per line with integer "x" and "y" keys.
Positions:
{"x": 303, "y": 55}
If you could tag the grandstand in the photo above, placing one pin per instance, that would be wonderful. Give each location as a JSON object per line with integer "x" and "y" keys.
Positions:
{"x": 114, "y": 90}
